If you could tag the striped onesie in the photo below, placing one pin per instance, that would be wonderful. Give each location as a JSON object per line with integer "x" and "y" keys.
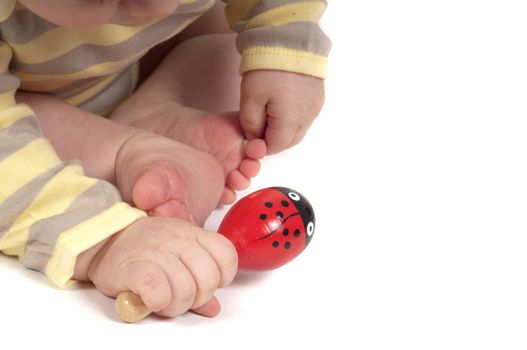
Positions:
{"x": 50, "y": 211}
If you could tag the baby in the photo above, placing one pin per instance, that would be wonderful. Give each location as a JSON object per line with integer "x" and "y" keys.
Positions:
{"x": 146, "y": 96}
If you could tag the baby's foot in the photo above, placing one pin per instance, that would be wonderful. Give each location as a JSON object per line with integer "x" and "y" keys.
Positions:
{"x": 167, "y": 178}
{"x": 219, "y": 135}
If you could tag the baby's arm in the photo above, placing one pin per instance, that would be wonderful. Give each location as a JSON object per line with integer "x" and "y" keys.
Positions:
{"x": 284, "y": 59}
{"x": 49, "y": 211}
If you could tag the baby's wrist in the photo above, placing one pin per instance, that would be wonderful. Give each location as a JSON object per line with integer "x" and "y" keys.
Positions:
{"x": 84, "y": 261}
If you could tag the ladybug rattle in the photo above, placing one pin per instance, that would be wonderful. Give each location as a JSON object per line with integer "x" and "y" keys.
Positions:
{"x": 268, "y": 228}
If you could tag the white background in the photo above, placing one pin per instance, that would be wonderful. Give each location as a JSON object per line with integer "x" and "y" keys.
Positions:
{"x": 417, "y": 172}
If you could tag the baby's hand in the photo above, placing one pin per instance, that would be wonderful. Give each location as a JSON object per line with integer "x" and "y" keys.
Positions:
{"x": 173, "y": 265}
{"x": 279, "y": 106}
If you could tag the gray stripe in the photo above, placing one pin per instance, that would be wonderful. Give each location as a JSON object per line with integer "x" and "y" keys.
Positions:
{"x": 8, "y": 82}
{"x": 43, "y": 234}
{"x": 87, "y": 55}
{"x": 14, "y": 205}
{"x": 18, "y": 135}
{"x": 76, "y": 87}
{"x": 23, "y": 26}
{"x": 306, "y": 36}
{"x": 266, "y": 5}
{"x": 261, "y": 7}
{"x": 238, "y": 26}
{"x": 112, "y": 95}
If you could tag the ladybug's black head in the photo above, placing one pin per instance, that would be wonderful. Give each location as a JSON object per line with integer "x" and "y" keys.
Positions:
{"x": 303, "y": 207}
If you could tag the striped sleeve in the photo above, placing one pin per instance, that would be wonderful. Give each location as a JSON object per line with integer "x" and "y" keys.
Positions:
{"x": 49, "y": 211}
{"x": 280, "y": 34}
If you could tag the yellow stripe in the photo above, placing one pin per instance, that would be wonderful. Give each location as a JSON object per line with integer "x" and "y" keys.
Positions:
{"x": 46, "y": 204}
{"x": 7, "y": 99}
{"x": 13, "y": 114}
{"x": 26, "y": 164}
{"x": 95, "y": 70}
{"x": 57, "y": 42}
{"x": 91, "y": 92}
{"x": 5, "y": 56}
{"x": 71, "y": 243}
{"x": 305, "y": 11}
{"x": 284, "y": 59}
{"x": 6, "y": 8}
{"x": 15, "y": 245}
{"x": 238, "y": 10}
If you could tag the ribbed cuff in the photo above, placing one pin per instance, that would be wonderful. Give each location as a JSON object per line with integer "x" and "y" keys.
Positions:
{"x": 277, "y": 58}
{"x": 74, "y": 241}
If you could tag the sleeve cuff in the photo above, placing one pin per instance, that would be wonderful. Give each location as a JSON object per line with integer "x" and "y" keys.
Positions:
{"x": 71, "y": 243}
{"x": 278, "y": 58}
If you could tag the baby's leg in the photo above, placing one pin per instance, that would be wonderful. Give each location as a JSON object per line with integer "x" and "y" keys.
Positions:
{"x": 181, "y": 99}
{"x": 157, "y": 174}
{"x": 77, "y": 134}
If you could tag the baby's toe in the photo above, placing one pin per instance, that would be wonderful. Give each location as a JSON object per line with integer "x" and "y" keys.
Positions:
{"x": 228, "y": 196}
{"x": 250, "y": 167}
{"x": 150, "y": 190}
{"x": 237, "y": 181}
{"x": 255, "y": 149}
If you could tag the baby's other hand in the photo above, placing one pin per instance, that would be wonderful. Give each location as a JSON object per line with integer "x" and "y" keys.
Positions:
{"x": 171, "y": 264}
{"x": 279, "y": 106}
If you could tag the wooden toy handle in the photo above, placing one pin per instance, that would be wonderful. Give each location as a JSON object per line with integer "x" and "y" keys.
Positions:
{"x": 130, "y": 308}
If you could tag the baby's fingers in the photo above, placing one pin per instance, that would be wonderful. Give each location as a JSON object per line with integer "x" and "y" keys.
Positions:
{"x": 223, "y": 253}
{"x": 150, "y": 282}
{"x": 183, "y": 288}
{"x": 279, "y": 138}
{"x": 300, "y": 133}
{"x": 252, "y": 116}
{"x": 205, "y": 272}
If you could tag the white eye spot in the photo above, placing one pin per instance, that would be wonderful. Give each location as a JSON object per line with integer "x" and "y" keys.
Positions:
{"x": 310, "y": 228}
{"x": 294, "y": 196}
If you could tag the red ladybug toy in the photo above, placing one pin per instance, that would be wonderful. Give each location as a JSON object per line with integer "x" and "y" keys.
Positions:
{"x": 269, "y": 227}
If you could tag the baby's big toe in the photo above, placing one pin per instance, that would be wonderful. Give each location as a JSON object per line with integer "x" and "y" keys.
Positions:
{"x": 153, "y": 193}
{"x": 150, "y": 190}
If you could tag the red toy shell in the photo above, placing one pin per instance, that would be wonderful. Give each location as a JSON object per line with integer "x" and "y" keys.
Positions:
{"x": 269, "y": 227}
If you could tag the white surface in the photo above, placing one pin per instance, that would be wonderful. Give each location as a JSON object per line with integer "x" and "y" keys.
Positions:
{"x": 417, "y": 172}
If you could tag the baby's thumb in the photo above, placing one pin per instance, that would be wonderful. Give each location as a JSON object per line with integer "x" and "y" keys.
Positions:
{"x": 252, "y": 118}
{"x": 150, "y": 282}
